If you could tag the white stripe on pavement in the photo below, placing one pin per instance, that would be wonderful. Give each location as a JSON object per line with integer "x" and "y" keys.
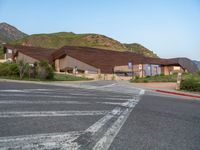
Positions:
{"x": 49, "y": 113}
{"x": 96, "y": 126}
{"x": 41, "y": 141}
{"x": 59, "y": 96}
{"x": 40, "y": 102}
{"x": 105, "y": 142}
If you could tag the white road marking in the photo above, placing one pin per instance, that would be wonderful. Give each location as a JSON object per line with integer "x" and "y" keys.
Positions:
{"x": 11, "y": 91}
{"x": 25, "y": 90}
{"x": 49, "y": 113}
{"x": 121, "y": 104}
{"x": 105, "y": 142}
{"x": 96, "y": 126}
{"x": 34, "y": 95}
{"x": 59, "y": 96}
{"x": 40, "y": 102}
{"x": 142, "y": 91}
{"x": 111, "y": 98}
{"x": 41, "y": 141}
{"x": 66, "y": 140}
{"x": 82, "y": 94}
{"x": 103, "y": 86}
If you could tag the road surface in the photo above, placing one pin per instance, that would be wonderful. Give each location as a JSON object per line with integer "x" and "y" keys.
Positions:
{"x": 96, "y": 115}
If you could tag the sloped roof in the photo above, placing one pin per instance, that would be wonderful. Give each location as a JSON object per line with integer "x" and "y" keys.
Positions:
{"x": 106, "y": 60}
{"x": 34, "y": 52}
{"x": 103, "y": 59}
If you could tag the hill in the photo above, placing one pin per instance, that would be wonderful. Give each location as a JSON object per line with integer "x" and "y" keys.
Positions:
{"x": 135, "y": 47}
{"x": 9, "y": 33}
{"x": 197, "y": 63}
{"x": 58, "y": 40}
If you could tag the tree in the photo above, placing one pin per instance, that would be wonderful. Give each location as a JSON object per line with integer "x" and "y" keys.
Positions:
{"x": 23, "y": 67}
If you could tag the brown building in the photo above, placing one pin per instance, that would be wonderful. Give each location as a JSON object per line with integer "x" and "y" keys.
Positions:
{"x": 99, "y": 62}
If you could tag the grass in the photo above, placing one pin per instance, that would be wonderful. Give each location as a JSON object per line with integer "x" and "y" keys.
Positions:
{"x": 157, "y": 78}
{"x": 165, "y": 78}
{"x": 63, "y": 77}
{"x": 57, "y": 77}
{"x": 190, "y": 82}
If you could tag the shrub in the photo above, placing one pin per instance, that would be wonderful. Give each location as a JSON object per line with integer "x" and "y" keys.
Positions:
{"x": 8, "y": 69}
{"x": 198, "y": 73}
{"x": 44, "y": 70}
{"x": 137, "y": 77}
{"x": 162, "y": 74}
{"x": 190, "y": 84}
{"x": 13, "y": 69}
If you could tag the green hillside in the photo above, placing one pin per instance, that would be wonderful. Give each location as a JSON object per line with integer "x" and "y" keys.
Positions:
{"x": 135, "y": 47}
{"x": 58, "y": 40}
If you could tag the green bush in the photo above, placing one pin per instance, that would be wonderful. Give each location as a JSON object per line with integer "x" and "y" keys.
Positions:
{"x": 67, "y": 77}
{"x": 45, "y": 70}
{"x": 198, "y": 73}
{"x": 8, "y": 69}
{"x": 157, "y": 78}
{"x": 190, "y": 84}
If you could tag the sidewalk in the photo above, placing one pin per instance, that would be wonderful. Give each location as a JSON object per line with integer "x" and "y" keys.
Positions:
{"x": 166, "y": 88}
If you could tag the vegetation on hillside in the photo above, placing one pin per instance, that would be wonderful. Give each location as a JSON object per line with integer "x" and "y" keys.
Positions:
{"x": 10, "y": 34}
{"x": 135, "y": 47}
{"x": 58, "y": 40}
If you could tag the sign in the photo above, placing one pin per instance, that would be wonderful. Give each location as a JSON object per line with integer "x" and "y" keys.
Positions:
{"x": 130, "y": 65}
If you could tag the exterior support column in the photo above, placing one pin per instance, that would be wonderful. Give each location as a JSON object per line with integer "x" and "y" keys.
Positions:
{"x": 57, "y": 65}
{"x": 142, "y": 70}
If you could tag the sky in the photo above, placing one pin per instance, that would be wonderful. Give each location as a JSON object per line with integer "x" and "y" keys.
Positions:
{"x": 170, "y": 28}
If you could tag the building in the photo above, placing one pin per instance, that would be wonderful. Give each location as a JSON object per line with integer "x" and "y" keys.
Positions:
{"x": 99, "y": 63}
{"x": 27, "y": 53}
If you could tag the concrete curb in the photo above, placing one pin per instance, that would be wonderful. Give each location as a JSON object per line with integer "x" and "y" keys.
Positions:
{"x": 177, "y": 93}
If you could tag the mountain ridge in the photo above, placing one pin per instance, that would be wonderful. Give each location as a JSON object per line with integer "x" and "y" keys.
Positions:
{"x": 60, "y": 39}
{"x": 9, "y": 33}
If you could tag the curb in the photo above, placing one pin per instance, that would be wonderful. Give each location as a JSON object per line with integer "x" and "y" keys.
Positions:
{"x": 180, "y": 94}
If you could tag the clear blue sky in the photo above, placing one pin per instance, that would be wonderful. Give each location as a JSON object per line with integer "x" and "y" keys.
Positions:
{"x": 171, "y": 28}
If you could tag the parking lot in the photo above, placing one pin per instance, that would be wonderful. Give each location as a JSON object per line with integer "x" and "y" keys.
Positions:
{"x": 52, "y": 117}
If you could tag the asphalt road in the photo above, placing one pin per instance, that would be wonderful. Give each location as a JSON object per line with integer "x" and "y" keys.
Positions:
{"x": 98, "y": 115}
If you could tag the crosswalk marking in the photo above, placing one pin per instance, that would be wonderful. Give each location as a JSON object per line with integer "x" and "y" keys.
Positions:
{"x": 49, "y": 113}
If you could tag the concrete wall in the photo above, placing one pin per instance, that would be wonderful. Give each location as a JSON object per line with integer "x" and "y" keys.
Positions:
{"x": 69, "y": 62}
